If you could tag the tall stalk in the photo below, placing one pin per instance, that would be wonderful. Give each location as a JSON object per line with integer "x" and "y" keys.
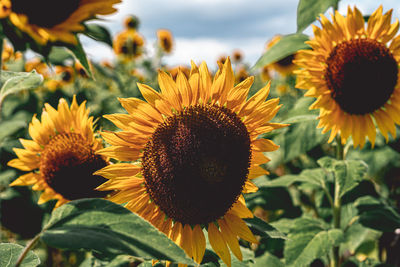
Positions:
{"x": 336, "y": 207}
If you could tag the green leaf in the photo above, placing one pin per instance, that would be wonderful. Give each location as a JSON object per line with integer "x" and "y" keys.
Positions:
{"x": 267, "y": 260}
{"x": 14, "y": 82}
{"x": 80, "y": 54}
{"x": 349, "y": 174}
{"x": 310, "y": 239}
{"x": 313, "y": 176}
{"x": 377, "y": 215}
{"x": 98, "y": 33}
{"x": 109, "y": 230}
{"x": 9, "y": 254}
{"x": 58, "y": 55}
{"x": 248, "y": 256}
{"x": 327, "y": 163}
{"x": 300, "y": 118}
{"x": 309, "y": 10}
{"x": 264, "y": 229}
{"x": 119, "y": 261}
{"x": 301, "y": 138}
{"x": 319, "y": 246}
{"x": 9, "y": 127}
{"x": 287, "y": 45}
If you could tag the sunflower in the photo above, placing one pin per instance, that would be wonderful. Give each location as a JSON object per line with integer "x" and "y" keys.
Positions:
{"x": 66, "y": 74}
{"x": 5, "y": 8}
{"x": 265, "y": 73}
{"x": 128, "y": 44}
{"x": 241, "y": 74}
{"x": 80, "y": 69}
{"x": 193, "y": 150}
{"x": 284, "y": 66}
{"x": 61, "y": 157}
{"x": 353, "y": 72}
{"x": 131, "y": 22}
{"x": 9, "y": 54}
{"x": 49, "y": 20}
{"x": 165, "y": 40}
{"x": 237, "y": 55}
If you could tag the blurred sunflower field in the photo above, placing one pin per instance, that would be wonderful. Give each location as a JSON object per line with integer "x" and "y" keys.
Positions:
{"x": 293, "y": 161}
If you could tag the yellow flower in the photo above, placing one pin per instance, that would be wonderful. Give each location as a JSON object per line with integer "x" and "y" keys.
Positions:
{"x": 66, "y": 74}
{"x": 241, "y": 75}
{"x": 5, "y": 8}
{"x": 128, "y": 44}
{"x": 193, "y": 150}
{"x": 80, "y": 70}
{"x": 49, "y": 20}
{"x": 284, "y": 66}
{"x": 131, "y": 22}
{"x": 8, "y": 52}
{"x": 221, "y": 59}
{"x": 265, "y": 74}
{"x": 353, "y": 72}
{"x": 237, "y": 55}
{"x": 61, "y": 156}
{"x": 165, "y": 40}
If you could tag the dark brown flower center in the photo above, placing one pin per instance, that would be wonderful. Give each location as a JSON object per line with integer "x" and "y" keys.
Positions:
{"x": 45, "y": 13}
{"x": 132, "y": 22}
{"x": 67, "y": 165}
{"x": 166, "y": 44}
{"x": 286, "y": 61}
{"x": 196, "y": 163}
{"x": 66, "y": 76}
{"x": 130, "y": 47}
{"x": 361, "y": 74}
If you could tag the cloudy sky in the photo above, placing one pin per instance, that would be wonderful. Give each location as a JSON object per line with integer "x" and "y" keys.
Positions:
{"x": 205, "y": 29}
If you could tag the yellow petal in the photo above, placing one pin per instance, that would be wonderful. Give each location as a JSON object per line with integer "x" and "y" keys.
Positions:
{"x": 154, "y": 99}
{"x": 187, "y": 240}
{"x": 218, "y": 244}
{"x": 256, "y": 171}
{"x": 30, "y": 145}
{"x": 198, "y": 244}
{"x": 169, "y": 90}
{"x": 21, "y": 165}
{"x": 256, "y": 100}
{"x": 194, "y": 81}
{"x": 26, "y": 179}
{"x": 239, "y": 209}
{"x": 120, "y": 152}
{"x": 239, "y": 227}
{"x": 230, "y": 239}
{"x": 119, "y": 169}
{"x": 205, "y": 82}
{"x": 184, "y": 88}
{"x": 249, "y": 187}
{"x": 136, "y": 106}
{"x": 264, "y": 145}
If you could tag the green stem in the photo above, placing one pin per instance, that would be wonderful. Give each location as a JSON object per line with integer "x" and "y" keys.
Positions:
{"x": 1, "y": 106}
{"x": 28, "y": 247}
{"x": 339, "y": 149}
{"x": 336, "y": 208}
{"x": 1, "y": 68}
{"x": 336, "y": 223}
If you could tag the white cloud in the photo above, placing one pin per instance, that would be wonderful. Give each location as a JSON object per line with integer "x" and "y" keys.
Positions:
{"x": 206, "y": 29}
